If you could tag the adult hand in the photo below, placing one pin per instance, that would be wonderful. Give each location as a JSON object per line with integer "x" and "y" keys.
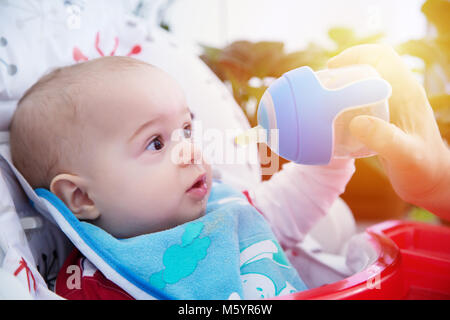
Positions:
{"x": 410, "y": 147}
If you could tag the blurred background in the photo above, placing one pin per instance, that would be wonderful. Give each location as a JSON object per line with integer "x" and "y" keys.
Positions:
{"x": 250, "y": 43}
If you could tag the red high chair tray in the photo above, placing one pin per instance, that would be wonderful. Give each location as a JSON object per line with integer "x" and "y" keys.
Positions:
{"x": 413, "y": 263}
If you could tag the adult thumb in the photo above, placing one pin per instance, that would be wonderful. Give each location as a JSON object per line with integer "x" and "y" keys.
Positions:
{"x": 386, "y": 139}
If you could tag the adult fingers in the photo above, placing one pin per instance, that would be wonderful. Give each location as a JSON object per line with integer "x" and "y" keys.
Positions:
{"x": 386, "y": 139}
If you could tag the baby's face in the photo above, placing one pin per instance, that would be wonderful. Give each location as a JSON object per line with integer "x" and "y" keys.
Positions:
{"x": 139, "y": 177}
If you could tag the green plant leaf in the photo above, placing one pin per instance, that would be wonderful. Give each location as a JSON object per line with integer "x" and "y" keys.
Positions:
{"x": 438, "y": 13}
{"x": 422, "y": 215}
{"x": 341, "y": 36}
{"x": 425, "y": 49}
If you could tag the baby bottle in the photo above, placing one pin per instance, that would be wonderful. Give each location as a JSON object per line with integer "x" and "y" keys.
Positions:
{"x": 304, "y": 116}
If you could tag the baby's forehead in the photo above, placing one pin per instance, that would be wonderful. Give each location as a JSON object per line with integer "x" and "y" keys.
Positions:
{"x": 130, "y": 96}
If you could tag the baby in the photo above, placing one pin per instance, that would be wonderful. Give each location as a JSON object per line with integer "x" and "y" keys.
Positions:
{"x": 101, "y": 130}
{"x": 99, "y": 136}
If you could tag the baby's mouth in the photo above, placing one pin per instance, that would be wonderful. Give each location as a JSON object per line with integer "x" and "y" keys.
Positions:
{"x": 199, "y": 188}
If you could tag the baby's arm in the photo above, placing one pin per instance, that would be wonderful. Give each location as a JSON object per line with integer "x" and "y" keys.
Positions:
{"x": 296, "y": 197}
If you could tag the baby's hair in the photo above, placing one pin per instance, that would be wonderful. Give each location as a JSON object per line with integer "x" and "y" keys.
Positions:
{"x": 46, "y": 131}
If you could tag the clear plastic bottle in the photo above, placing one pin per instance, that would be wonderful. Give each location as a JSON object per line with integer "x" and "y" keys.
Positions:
{"x": 345, "y": 145}
{"x": 311, "y": 112}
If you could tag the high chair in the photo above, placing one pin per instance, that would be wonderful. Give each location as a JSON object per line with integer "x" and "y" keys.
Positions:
{"x": 33, "y": 247}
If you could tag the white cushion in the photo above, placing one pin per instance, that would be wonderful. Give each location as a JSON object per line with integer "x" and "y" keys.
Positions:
{"x": 36, "y": 36}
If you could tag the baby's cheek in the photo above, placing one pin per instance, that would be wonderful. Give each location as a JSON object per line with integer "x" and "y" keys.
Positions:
{"x": 159, "y": 195}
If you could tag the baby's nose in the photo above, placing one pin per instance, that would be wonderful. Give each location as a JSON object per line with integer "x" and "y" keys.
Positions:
{"x": 187, "y": 153}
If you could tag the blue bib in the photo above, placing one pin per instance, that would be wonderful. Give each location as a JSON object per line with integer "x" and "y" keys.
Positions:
{"x": 229, "y": 253}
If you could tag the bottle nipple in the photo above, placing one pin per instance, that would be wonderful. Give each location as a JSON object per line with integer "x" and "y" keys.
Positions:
{"x": 253, "y": 135}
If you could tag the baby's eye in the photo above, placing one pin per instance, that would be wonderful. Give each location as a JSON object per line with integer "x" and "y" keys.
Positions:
{"x": 187, "y": 131}
{"x": 156, "y": 144}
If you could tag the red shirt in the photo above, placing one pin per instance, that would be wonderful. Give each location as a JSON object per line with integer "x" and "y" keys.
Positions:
{"x": 79, "y": 279}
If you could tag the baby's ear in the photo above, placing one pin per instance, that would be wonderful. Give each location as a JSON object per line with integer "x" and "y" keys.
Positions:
{"x": 69, "y": 188}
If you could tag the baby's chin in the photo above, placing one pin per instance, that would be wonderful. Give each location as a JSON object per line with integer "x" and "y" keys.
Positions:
{"x": 187, "y": 212}
{"x": 193, "y": 213}
{"x": 197, "y": 212}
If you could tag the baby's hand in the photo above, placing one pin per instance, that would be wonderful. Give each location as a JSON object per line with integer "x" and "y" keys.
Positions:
{"x": 411, "y": 149}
